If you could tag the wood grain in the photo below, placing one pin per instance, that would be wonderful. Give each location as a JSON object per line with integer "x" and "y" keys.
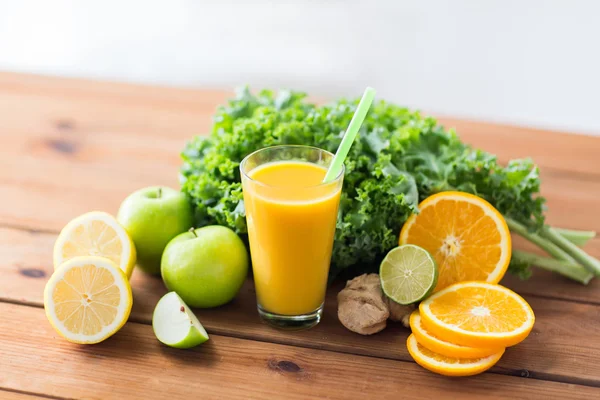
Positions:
{"x": 26, "y": 254}
{"x": 559, "y": 151}
{"x": 11, "y": 395}
{"x": 82, "y": 146}
{"x": 179, "y": 112}
{"x": 551, "y": 285}
{"x": 71, "y": 146}
{"x": 70, "y": 188}
{"x": 561, "y": 346}
{"x": 226, "y": 368}
{"x": 90, "y": 148}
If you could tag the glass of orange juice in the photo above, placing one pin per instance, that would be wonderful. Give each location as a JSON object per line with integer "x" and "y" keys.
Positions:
{"x": 291, "y": 216}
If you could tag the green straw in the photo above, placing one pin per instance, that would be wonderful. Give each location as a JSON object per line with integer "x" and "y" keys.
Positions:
{"x": 351, "y": 132}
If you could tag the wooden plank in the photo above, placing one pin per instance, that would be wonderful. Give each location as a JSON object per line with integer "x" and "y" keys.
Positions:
{"x": 226, "y": 368}
{"x": 550, "y": 149}
{"x": 22, "y": 250}
{"x": 560, "y": 348}
{"x": 119, "y": 94}
{"x": 11, "y": 395}
{"x": 551, "y": 285}
{"x": 81, "y": 145}
{"x": 28, "y": 100}
{"x": 100, "y": 174}
{"x": 93, "y": 144}
{"x": 103, "y": 173}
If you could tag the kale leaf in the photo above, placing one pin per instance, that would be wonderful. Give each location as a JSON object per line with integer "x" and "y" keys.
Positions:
{"x": 399, "y": 158}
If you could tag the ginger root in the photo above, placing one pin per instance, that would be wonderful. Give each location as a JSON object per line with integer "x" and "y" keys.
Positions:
{"x": 398, "y": 312}
{"x": 361, "y": 308}
{"x": 364, "y": 308}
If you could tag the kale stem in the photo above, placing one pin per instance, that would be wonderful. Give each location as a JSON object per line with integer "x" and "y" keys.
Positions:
{"x": 590, "y": 263}
{"x": 544, "y": 244}
{"x": 578, "y": 238}
{"x": 570, "y": 270}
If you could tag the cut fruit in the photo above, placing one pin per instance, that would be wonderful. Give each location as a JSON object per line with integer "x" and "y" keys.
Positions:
{"x": 87, "y": 299}
{"x": 449, "y": 366}
{"x": 96, "y": 234}
{"x": 477, "y": 314}
{"x": 408, "y": 274}
{"x": 436, "y": 345}
{"x": 175, "y": 324}
{"x": 466, "y": 235}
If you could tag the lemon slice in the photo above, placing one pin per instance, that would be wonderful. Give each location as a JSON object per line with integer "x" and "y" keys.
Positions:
{"x": 96, "y": 234}
{"x": 87, "y": 299}
{"x": 449, "y": 366}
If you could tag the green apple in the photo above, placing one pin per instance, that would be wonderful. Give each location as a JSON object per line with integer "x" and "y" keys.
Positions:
{"x": 175, "y": 324}
{"x": 153, "y": 216}
{"x": 205, "y": 266}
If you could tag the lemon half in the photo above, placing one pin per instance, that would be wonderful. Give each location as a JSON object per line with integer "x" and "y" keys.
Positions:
{"x": 96, "y": 234}
{"x": 88, "y": 299}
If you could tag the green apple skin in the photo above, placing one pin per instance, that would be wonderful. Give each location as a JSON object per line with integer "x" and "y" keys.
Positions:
{"x": 206, "y": 267}
{"x": 153, "y": 216}
{"x": 193, "y": 339}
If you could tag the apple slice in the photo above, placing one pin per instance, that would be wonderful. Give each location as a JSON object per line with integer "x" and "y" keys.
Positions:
{"x": 175, "y": 324}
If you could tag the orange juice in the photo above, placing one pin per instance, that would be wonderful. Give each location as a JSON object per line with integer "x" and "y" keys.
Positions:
{"x": 291, "y": 220}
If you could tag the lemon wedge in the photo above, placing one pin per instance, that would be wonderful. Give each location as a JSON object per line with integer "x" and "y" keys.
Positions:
{"x": 88, "y": 299}
{"x": 96, "y": 234}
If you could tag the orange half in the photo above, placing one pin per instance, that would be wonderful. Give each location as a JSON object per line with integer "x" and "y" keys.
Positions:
{"x": 466, "y": 235}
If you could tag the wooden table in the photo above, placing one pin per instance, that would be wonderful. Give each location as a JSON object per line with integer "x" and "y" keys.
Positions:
{"x": 71, "y": 146}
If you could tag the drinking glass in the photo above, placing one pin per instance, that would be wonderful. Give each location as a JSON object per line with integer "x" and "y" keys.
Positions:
{"x": 291, "y": 227}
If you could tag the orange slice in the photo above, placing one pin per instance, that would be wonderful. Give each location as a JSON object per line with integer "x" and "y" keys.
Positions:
{"x": 436, "y": 345}
{"x": 466, "y": 235}
{"x": 477, "y": 314}
{"x": 450, "y": 366}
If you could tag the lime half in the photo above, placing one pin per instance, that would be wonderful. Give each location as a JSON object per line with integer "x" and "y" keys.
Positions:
{"x": 175, "y": 324}
{"x": 408, "y": 274}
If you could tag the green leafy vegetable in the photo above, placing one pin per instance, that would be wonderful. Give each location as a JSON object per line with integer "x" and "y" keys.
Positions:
{"x": 399, "y": 158}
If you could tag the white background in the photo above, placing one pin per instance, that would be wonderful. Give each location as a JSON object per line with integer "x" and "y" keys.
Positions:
{"x": 529, "y": 62}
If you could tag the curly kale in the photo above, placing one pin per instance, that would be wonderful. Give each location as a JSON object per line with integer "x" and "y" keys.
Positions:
{"x": 399, "y": 158}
